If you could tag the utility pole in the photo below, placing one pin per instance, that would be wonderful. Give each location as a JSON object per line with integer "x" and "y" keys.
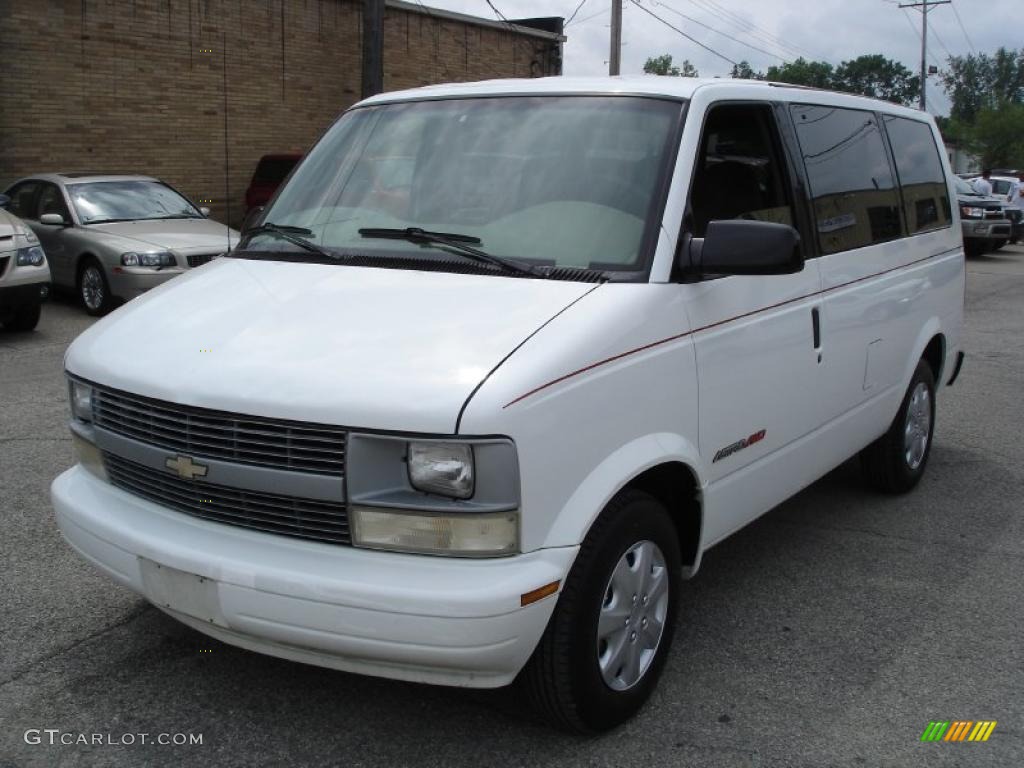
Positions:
{"x": 373, "y": 47}
{"x": 924, "y": 5}
{"x": 616, "y": 52}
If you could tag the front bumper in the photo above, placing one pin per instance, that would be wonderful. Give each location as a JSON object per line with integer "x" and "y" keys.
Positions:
{"x": 409, "y": 617}
{"x": 993, "y": 229}
{"x": 130, "y": 282}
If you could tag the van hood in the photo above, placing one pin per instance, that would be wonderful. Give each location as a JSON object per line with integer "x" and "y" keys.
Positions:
{"x": 171, "y": 234}
{"x": 352, "y": 346}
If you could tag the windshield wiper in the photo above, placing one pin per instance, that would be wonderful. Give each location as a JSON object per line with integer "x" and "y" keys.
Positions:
{"x": 293, "y": 235}
{"x": 454, "y": 241}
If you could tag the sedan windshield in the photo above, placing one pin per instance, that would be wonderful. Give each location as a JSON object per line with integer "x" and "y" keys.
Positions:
{"x": 100, "y": 201}
{"x": 567, "y": 181}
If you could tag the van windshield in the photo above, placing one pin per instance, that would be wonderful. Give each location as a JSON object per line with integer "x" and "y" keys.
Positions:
{"x": 568, "y": 181}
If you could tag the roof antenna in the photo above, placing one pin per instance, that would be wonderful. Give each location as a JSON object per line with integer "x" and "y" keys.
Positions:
{"x": 227, "y": 167}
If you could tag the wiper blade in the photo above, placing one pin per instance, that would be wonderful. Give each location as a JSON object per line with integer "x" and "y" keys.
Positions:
{"x": 454, "y": 241}
{"x": 292, "y": 235}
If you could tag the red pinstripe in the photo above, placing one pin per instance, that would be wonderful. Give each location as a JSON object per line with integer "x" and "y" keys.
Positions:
{"x": 666, "y": 340}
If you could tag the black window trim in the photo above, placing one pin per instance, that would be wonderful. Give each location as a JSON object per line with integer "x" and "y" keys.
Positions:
{"x": 899, "y": 181}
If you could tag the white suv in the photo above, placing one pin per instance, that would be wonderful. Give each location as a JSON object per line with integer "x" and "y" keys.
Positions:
{"x": 24, "y": 273}
{"x": 477, "y": 420}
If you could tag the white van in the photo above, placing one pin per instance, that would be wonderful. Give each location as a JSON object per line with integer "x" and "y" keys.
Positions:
{"x": 504, "y": 360}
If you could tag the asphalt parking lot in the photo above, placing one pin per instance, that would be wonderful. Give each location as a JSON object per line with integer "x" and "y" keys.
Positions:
{"x": 828, "y": 633}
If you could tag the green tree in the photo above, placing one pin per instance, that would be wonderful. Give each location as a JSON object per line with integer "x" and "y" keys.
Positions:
{"x": 997, "y": 135}
{"x": 878, "y": 77}
{"x": 815, "y": 74}
{"x": 662, "y": 65}
{"x": 981, "y": 81}
{"x": 746, "y": 72}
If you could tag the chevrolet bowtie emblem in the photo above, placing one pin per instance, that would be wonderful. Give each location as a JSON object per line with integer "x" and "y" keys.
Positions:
{"x": 186, "y": 468}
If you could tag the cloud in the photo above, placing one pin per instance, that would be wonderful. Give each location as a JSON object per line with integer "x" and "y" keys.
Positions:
{"x": 834, "y": 30}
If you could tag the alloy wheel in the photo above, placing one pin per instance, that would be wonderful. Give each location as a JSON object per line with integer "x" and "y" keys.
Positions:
{"x": 92, "y": 288}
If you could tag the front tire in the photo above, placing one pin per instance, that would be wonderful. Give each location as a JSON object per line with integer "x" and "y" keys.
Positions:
{"x": 93, "y": 288}
{"x": 607, "y": 641}
{"x": 896, "y": 461}
{"x": 25, "y": 319}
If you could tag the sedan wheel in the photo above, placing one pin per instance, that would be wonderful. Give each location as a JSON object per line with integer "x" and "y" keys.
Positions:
{"x": 93, "y": 289}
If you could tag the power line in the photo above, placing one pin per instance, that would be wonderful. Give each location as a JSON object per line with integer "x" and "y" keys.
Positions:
{"x": 935, "y": 33}
{"x": 962, "y": 28}
{"x": 733, "y": 18}
{"x": 591, "y": 17}
{"x": 573, "y": 16}
{"x": 679, "y": 31}
{"x": 718, "y": 31}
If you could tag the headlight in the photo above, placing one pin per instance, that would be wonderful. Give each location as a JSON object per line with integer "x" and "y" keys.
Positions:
{"x": 30, "y": 257}
{"x": 968, "y": 212}
{"x": 81, "y": 400}
{"x": 466, "y": 535}
{"x": 160, "y": 259}
{"x": 442, "y": 468}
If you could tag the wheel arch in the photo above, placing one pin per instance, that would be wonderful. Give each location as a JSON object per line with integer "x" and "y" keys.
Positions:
{"x": 663, "y": 465}
{"x": 930, "y": 345}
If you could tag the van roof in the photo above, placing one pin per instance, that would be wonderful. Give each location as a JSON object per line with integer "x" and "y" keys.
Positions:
{"x": 644, "y": 85}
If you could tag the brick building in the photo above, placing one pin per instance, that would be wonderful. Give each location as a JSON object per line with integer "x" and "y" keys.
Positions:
{"x": 143, "y": 85}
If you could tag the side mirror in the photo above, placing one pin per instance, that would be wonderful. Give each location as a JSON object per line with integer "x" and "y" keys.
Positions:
{"x": 52, "y": 219}
{"x": 205, "y": 211}
{"x": 743, "y": 247}
{"x": 4, "y": 200}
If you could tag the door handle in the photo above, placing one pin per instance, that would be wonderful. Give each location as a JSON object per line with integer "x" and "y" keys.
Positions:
{"x": 816, "y": 327}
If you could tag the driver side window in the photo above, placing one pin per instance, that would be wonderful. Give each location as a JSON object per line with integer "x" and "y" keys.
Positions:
{"x": 52, "y": 201}
{"x": 738, "y": 174}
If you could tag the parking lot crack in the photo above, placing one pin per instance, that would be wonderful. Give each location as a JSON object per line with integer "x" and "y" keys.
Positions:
{"x": 145, "y": 608}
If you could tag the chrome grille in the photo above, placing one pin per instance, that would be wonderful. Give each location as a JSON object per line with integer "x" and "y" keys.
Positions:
{"x": 292, "y": 445}
{"x": 271, "y": 513}
{"x": 198, "y": 259}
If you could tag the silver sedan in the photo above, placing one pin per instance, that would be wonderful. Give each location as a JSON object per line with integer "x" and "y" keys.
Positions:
{"x": 112, "y": 237}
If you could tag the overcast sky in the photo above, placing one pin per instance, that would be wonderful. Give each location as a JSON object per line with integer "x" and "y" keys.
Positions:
{"x": 833, "y": 30}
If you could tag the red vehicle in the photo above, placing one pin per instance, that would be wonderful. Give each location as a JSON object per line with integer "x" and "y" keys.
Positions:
{"x": 270, "y": 171}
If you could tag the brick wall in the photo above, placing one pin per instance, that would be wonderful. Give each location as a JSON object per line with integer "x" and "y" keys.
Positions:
{"x": 139, "y": 85}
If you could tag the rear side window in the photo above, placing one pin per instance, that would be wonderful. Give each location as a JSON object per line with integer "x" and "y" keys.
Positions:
{"x": 23, "y": 199}
{"x": 919, "y": 167}
{"x": 855, "y": 199}
{"x": 1000, "y": 187}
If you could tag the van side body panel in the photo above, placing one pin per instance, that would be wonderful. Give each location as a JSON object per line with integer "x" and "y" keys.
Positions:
{"x": 600, "y": 394}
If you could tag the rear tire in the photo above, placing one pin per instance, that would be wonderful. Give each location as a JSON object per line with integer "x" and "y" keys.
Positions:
{"x": 93, "y": 288}
{"x": 896, "y": 461}
{"x": 590, "y": 673}
{"x": 25, "y": 319}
